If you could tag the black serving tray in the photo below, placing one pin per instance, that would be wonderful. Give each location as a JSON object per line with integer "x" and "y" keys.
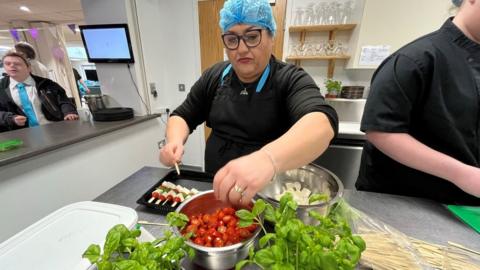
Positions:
{"x": 189, "y": 179}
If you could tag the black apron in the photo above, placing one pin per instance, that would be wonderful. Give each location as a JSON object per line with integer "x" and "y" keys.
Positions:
{"x": 243, "y": 119}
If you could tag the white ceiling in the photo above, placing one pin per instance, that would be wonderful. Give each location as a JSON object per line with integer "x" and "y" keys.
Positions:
{"x": 53, "y": 11}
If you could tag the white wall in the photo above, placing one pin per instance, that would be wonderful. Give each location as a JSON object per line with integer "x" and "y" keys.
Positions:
{"x": 165, "y": 41}
{"x": 114, "y": 78}
{"x": 169, "y": 35}
{"x": 37, "y": 186}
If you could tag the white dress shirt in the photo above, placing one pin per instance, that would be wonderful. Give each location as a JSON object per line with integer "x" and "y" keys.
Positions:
{"x": 32, "y": 96}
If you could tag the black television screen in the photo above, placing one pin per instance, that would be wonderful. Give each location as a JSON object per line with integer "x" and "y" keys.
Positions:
{"x": 91, "y": 74}
{"x": 107, "y": 43}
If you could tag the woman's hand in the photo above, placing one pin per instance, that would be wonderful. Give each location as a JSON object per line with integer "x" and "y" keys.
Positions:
{"x": 240, "y": 179}
{"x": 170, "y": 153}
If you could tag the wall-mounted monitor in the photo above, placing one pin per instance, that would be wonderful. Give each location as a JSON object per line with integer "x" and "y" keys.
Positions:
{"x": 107, "y": 43}
{"x": 91, "y": 74}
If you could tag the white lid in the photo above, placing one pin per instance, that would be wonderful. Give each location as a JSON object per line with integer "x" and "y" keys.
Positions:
{"x": 58, "y": 241}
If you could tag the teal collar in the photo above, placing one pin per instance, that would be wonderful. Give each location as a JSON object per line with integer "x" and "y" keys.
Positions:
{"x": 260, "y": 84}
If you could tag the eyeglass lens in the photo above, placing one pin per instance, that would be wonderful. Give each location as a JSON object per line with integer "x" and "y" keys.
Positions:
{"x": 251, "y": 38}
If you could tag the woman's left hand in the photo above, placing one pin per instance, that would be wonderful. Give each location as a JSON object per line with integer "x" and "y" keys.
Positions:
{"x": 240, "y": 179}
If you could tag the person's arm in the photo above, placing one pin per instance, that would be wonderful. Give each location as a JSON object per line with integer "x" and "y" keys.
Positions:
{"x": 301, "y": 143}
{"x": 85, "y": 86}
{"x": 9, "y": 120}
{"x": 410, "y": 152}
{"x": 298, "y": 146}
{"x": 176, "y": 135}
{"x": 66, "y": 106}
{"x": 186, "y": 117}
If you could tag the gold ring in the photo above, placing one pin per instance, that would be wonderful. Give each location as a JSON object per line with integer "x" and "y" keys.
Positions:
{"x": 238, "y": 189}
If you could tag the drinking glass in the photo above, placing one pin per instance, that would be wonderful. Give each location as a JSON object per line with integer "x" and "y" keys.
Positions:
{"x": 298, "y": 16}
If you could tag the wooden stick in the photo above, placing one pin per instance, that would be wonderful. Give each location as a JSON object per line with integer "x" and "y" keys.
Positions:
{"x": 177, "y": 168}
{"x": 143, "y": 222}
{"x": 462, "y": 247}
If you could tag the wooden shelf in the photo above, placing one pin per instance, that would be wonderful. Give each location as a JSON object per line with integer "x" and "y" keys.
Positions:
{"x": 320, "y": 28}
{"x": 320, "y": 57}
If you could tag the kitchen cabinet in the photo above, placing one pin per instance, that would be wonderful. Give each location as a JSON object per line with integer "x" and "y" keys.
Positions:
{"x": 395, "y": 23}
{"x": 332, "y": 30}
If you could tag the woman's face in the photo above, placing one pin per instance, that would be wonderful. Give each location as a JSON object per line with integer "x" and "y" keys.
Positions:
{"x": 249, "y": 62}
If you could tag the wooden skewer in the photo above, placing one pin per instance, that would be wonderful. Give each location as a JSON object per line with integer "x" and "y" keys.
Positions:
{"x": 143, "y": 222}
{"x": 462, "y": 247}
{"x": 177, "y": 168}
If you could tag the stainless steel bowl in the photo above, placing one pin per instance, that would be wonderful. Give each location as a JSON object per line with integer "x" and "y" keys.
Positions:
{"x": 213, "y": 257}
{"x": 313, "y": 177}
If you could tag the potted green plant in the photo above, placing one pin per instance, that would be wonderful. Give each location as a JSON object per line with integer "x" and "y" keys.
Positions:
{"x": 333, "y": 88}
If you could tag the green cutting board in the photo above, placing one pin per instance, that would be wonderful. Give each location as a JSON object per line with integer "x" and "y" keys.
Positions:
{"x": 468, "y": 214}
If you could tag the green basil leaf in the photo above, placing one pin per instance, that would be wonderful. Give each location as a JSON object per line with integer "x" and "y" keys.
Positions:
{"x": 140, "y": 254}
{"x": 277, "y": 253}
{"x": 359, "y": 242}
{"x": 251, "y": 252}
{"x": 241, "y": 264}
{"x": 245, "y": 214}
{"x": 190, "y": 252}
{"x": 92, "y": 253}
{"x": 318, "y": 198}
{"x": 112, "y": 242}
{"x": 328, "y": 261}
{"x": 316, "y": 215}
{"x": 245, "y": 223}
{"x": 104, "y": 265}
{"x": 283, "y": 266}
{"x": 287, "y": 197}
{"x": 264, "y": 257}
{"x": 292, "y": 205}
{"x": 264, "y": 240}
{"x": 127, "y": 265}
{"x": 129, "y": 242}
{"x": 135, "y": 233}
{"x": 177, "y": 219}
{"x": 122, "y": 229}
{"x": 270, "y": 213}
{"x": 258, "y": 207}
{"x": 151, "y": 265}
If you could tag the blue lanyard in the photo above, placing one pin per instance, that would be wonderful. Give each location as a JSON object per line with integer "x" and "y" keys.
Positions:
{"x": 260, "y": 84}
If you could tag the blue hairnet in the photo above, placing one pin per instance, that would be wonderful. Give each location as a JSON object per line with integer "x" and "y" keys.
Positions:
{"x": 457, "y": 2}
{"x": 254, "y": 12}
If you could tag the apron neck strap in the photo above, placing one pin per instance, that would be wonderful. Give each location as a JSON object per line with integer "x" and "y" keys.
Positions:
{"x": 260, "y": 84}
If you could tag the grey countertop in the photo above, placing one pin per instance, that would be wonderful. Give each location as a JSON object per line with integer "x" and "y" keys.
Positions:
{"x": 419, "y": 218}
{"x": 45, "y": 138}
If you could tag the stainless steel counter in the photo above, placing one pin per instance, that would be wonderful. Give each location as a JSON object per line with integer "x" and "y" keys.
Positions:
{"x": 419, "y": 218}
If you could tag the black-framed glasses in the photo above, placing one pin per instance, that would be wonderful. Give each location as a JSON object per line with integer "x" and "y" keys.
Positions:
{"x": 251, "y": 38}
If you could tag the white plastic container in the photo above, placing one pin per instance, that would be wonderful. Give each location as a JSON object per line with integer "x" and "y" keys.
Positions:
{"x": 58, "y": 241}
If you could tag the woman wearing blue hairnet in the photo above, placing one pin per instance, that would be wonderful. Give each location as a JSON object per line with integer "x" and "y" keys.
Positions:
{"x": 266, "y": 116}
{"x": 422, "y": 116}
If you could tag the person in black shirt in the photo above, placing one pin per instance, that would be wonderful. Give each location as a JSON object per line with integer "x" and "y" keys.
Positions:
{"x": 266, "y": 116}
{"x": 422, "y": 116}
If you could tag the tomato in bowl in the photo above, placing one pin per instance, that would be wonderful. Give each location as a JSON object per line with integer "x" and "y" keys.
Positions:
{"x": 218, "y": 241}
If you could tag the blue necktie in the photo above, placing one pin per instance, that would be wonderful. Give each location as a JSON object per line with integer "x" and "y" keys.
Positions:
{"x": 27, "y": 105}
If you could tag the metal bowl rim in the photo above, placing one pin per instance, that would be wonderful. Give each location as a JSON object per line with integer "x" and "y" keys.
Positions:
{"x": 226, "y": 249}
{"x": 337, "y": 197}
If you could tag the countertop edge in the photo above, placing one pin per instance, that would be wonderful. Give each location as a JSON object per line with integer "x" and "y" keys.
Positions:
{"x": 50, "y": 148}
